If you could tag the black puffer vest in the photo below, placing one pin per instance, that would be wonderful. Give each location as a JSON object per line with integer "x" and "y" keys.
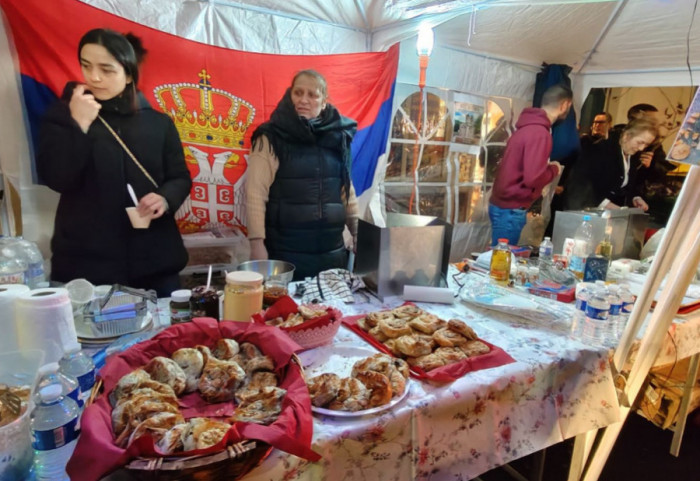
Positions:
{"x": 305, "y": 214}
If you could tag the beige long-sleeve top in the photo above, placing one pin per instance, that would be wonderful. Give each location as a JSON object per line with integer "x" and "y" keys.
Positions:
{"x": 262, "y": 168}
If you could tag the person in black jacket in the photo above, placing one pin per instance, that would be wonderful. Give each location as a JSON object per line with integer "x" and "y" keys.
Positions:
{"x": 299, "y": 192}
{"x": 82, "y": 160}
{"x": 614, "y": 174}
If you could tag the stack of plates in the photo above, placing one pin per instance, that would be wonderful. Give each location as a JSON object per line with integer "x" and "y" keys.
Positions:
{"x": 87, "y": 336}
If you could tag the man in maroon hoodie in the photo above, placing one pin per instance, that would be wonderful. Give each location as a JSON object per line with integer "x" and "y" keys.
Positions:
{"x": 525, "y": 168}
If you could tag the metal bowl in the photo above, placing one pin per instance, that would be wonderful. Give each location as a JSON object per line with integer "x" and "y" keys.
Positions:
{"x": 270, "y": 270}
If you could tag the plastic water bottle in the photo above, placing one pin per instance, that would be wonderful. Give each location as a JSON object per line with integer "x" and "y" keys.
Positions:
{"x": 55, "y": 428}
{"x": 596, "y": 327}
{"x": 580, "y": 312}
{"x": 583, "y": 247}
{"x": 546, "y": 250}
{"x": 627, "y": 299}
{"x": 50, "y": 374}
{"x": 31, "y": 254}
{"x": 13, "y": 267}
{"x": 615, "y": 312}
{"x": 75, "y": 363}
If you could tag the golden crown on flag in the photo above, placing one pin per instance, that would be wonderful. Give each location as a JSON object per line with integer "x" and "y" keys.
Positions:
{"x": 206, "y": 115}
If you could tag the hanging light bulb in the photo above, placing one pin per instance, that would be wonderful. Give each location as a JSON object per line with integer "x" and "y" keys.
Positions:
{"x": 426, "y": 38}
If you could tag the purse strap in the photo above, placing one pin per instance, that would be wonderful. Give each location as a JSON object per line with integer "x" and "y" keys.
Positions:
{"x": 132, "y": 156}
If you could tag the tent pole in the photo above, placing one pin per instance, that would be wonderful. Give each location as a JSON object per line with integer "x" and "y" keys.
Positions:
{"x": 608, "y": 25}
{"x": 682, "y": 272}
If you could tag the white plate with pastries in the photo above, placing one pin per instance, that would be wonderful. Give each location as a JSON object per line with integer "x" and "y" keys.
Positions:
{"x": 339, "y": 359}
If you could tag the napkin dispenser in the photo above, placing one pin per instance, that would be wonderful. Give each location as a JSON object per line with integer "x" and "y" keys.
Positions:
{"x": 410, "y": 250}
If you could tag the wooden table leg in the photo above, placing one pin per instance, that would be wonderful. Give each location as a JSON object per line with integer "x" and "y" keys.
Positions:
{"x": 582, "y": 448}
{"x": 685, "y": 404}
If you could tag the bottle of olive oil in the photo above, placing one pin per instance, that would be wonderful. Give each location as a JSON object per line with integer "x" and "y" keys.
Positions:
{"x": 605, "y": 246}
{"x": 500, "y": 262}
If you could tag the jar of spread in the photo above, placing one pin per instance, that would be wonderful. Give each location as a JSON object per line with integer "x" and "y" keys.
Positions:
{"x": 180, "y": 306}
{"x": 204, "y": 302}
{"x": 273, "y": 290}
{"x": 243, "y": 295}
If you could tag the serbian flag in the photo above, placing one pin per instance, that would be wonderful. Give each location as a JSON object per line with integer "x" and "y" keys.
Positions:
{"x": 216, "y": 96}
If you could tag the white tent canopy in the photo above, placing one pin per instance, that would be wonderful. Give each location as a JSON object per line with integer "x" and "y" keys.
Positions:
{"x": 489, "y": 47}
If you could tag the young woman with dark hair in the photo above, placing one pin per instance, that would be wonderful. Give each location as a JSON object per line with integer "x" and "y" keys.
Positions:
{"x": 81, "y": 158}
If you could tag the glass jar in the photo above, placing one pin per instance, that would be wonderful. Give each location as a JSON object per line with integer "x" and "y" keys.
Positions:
{"x": 243, "y": 295}
{"x": 180, "y": 306}
{"x": 204, "y": 302}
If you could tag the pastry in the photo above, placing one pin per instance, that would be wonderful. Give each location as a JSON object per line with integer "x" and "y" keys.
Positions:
{"x": 352, "y": 396}
{"x": 219, "y": 380}
{"x": 251, "y": 359}
{"x": 171, "y": 441}
{"x": 407, "y": 311}
{"x": 192, "y": 362}
{"x": 427, "y": 362}
{"x": 391, "y": 345}
{"x": 203, "y": 433}
{"x": 128, "y": 383}
{"x": 413, "y": 346}
{"x": 394, "y": 327}
{"x": 323, "y": 389}
{"x": 131, "y": 413}
{"x": 262, "y": 408}
{"x": 156, "y": 426}
{"x": 293, "y": 320}
{"x": 396, "y": 370}
{"x": 379, "y": 388}
{"x": 254, "y": 383}
{"x": 167, "y": 371}
{"x": 378, "y": 334}
{"x": 225, "y": 349}
{"x": 362, "y": 323}
{"x": 206, "y": 352}
{"x": 426, "y": 323}
{"x": 462, "y": 328}
{"x": 374, "y": 317}
{"x": 450, "y": 354}
{"x": 474, "y": 348}
{"x": 448, "y": 338}
{"x": 310, "y": 312}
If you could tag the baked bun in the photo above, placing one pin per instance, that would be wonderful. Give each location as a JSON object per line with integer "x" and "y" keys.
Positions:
{"x": 225, "y": 349}
{"x": 462, "y": 328}
{"x": 203, "y": 433}
{"x": 379, "y": 388}
{"x": 167, "y": 371}
{"x": 192, "y": 362}
{"x": 475, "y": 348}
{"x": 427, "y": 362}
{"x": 449, "y": 338}
{"x": 395, "y": 327}
{"x": 352, "y": 396}
{"x": 407, "y": 312}
{"x": 413, "y": 346}
{"x": 323, "y": 389}
{"x": 426, "y": 323}
{"x": 373, "y": 318}
{"x": 219, "y": 380}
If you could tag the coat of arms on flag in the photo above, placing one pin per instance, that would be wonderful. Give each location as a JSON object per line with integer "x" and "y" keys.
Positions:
{"x": 212, "y": 124}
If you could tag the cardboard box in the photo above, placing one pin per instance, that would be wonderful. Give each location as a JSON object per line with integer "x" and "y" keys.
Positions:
{"x": 410, "y": 250}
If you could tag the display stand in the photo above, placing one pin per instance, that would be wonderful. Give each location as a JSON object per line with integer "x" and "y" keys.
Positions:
{"x": 678, "y": 256}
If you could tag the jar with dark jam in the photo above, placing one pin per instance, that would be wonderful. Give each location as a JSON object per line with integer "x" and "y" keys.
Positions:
{"x": 273, "y": 291}
{"x": 204, "y": 302}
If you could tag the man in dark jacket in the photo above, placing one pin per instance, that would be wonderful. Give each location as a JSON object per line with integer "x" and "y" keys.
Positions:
{"x": 525, "y": 168}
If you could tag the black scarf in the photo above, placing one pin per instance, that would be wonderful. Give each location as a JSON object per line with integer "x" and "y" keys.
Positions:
{"x": 286, "y": 127}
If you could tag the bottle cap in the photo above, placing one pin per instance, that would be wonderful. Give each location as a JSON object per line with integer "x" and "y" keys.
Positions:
{"x": 586, "y": 217}
{"x": 51, "y": 392}
{"x": 546, "y": 238}
{"x": 504, "y": 240}
{"x": 247, "y": 278}
{"x": 49, "y": 368}
{"x": 182, "y": 295}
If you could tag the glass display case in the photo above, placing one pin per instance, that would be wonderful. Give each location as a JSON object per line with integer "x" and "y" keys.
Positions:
{"x": 443, "y": 151}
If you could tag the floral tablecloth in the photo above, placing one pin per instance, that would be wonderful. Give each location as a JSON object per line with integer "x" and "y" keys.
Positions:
{"x": 556, "y": 389}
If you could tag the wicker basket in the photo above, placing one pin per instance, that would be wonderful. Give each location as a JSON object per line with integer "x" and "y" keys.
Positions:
{"x": 231, "y": 464}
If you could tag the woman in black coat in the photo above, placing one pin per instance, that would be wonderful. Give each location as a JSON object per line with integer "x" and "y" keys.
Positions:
{"x": 83, "y": 161}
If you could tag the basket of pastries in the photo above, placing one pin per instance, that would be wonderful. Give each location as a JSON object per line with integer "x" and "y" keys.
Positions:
{"x": 201, "y": 400}
{"x": 435, "y": 349}
{"x": 309, "y": 325}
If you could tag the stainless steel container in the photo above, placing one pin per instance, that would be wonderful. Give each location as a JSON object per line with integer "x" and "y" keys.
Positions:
{"x": 627, "y": 229}
{"x": 411, "y": 249}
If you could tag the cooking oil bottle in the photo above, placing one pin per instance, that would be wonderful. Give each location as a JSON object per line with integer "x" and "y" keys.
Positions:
{"x": 500, "y": 262}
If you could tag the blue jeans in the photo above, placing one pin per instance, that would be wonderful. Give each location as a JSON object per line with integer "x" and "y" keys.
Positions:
{"x": 506, "y": 223}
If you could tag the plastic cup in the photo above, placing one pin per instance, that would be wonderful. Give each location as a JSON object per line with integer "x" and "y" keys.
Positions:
{"x": 80, "y": 291}
{"x": 138, "y": 222}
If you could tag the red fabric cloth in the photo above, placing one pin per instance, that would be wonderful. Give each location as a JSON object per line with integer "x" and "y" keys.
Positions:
{"x": 445, "y": 374}
{"x": 523, "y": 172}
{"x": 286, "y": 306}
{"x": 96, "y": 454}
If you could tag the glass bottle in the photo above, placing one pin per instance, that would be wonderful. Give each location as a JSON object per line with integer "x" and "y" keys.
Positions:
{"x": 500, "y": 262}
